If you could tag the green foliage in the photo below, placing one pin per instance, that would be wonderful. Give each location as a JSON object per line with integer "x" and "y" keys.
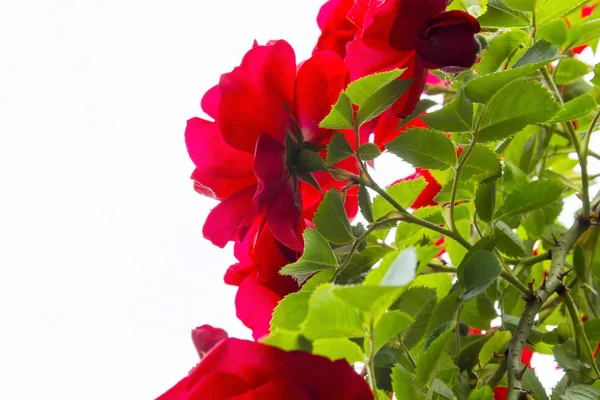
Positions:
{"x": 576, "y": 109}
{"x": 331, "y": 219}
{"x": 361, "y": 89}
{"x": 381, "y": 100}
{"x": 338, "y": 349}
{"x": 548, "y": 10}
{"x": 515, "y": 106}
{"x": 498, "y": 14}
{"x": 424, "y": 148}
{"x": 500, "y": 49}
{"x": 341, "y": 115}
{"x": 405, "y": 193}
{"x": 477, "y": 272}
{"x": 430, "y": 358}
{"x": 338, "y": 149}
{"x": 481, "y": 90}
{"x": 570, "y": 70}
{"x": 531, "y": 196}
{"x": 456, "y": 116}
{"x": 317, "y": 256}
{"x": 483, "y": 164}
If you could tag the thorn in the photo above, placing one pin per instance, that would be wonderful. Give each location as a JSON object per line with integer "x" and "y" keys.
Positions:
{"x": 544, "y": 282}
{"x": 556, "y": 242}
{"x": 565, "y": 273}
{"x": 530, "y": 285}
{"x": 519, "y": 374}
{"x": 562, "y": 290}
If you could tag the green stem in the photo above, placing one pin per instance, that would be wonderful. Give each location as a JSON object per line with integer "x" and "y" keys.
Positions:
{"x": 513, "y": 280}
{"x": 371, "y": 360}
{"x": 366, "y": 180}
{"x": 443, "y": 268}
{"x": 535, "y": 300}
{"x": 580, "y": 336}
{"x": 585, "y": 179}
{"x": 495, "y": 379}
{"x": 530, "y": 260}
{"x": 360, "y": 239}
{"x": 411, "y": 359}
{"x": 581, "y": 154}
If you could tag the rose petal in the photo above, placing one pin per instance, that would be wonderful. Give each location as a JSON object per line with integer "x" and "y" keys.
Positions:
{"x": 407, "y": 103}
{"x": 254, "y": 304}
{"x": 212, "y": 155}
{"x": 254, "y": 96}
{"x": 318, "y": 85}
{"x": 210, "y": 102}
{"x": 274, "y": 389}
{"x": 206, "y": 337}
{"x": 410, "y": 19}
{"x": 283, "y": 217}
{"x": 219, "y": 188}
{"x": 270, "y": 170}
{"x": 224, "y": 220}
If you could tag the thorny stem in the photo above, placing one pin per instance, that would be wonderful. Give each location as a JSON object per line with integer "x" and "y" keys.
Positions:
{"x": 535, "y": 300}
{"x": 585, "y": 179}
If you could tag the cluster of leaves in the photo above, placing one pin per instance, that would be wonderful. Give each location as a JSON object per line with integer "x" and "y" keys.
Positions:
{"x": 390, "y": 296}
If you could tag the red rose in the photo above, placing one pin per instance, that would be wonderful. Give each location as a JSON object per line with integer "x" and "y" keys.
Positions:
{"x": 500, "y": 393}
{"x": 241, "y": 157}
{"x": 411, "y": 34}
{"x": 336, "y": 29}
{"x": 428, "y": 194}
{"x": 261, "y": 287}
{"x": 244, "y": 370}
{"x": 206, "y": 337}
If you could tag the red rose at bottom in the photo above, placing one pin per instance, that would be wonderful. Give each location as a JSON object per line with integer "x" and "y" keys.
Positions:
{"x": 243, "y": 370}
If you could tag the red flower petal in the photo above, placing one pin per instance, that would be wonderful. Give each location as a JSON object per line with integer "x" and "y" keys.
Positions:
{"x": 212, "y": 155}
{"x": 416, "y": 71}
{"x": 410, "y": 19}
{"x": 270, "y": 170}
{"x": 254, "y": 304}
{"x": 206, "y": 337}
{"x": 219, "y": 188}
{"x": 336, "y": 29}
{"x": 318, "y": 85}
{"x": 274, "y": 389}
{"x": 210, "y": 102}
{"x": 283, "y": 217}
{"x": 224, "y": 220}
{"x": 254, "y": 96}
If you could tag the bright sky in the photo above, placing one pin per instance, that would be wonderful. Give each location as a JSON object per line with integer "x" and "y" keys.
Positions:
{"x": 104, "y": 271}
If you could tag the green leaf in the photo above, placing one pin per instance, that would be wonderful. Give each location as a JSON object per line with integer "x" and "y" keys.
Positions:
{"x": 439, "y": 387}
{"x": 369, "y": 151}
{"x": 580, "y": 392}
{"x": 317, "y": 280}
{"x": 479, "y": 312}
{"x": 540, "y": 52}
{"x": 428, "y": 361}
{"x": 571, "y": 70}
{"x": 338, "y": 349}
{"x": 287, "y": 341}
{"x": 497, "y": 345}
{"x": 592, "y": 329}
{"x": 501, "y": 47}
{"x": 522, "y": 5}
{"x": 361, "y": 89}
{"x": 480, "y": 90}
{"x": 478, "y": 272}
{"x": 405, "y": 193}
{"x": 290, "y": 311}
{"x": 554, "y": 31}
{"x": 371, "y": 299}
{"x": 331, "y": 220}
{"x": 483, "y": 164}
{"x": 338, "y": 149}
{"x": 531, "y": 196}
{"x": 330, "y": 317}
{"x": 466, "y": 191}
{"x": 509, "y": 243}
{"x": 596, "y": 79}
{"x": 341, "y": 115}
{"x": 547, "y": 10}
{"x": 500, "y": 16}
{"x": 365, "y": 204}
{"x": 317, "y": 256}
{"x": 515, "y": 106}
{"x": 575, "y": 109}
{"x": 531, "y": 382}
{"x": 483, "y": 393}
{"x": 381, "y": 100}
{"x": 424, "y": 148}
{"x": 404, "y": 385}
{"x": 584, "y": 32}
{"x": 485, "y": 201}
{"x": 402, "y": 271}
{"x": 422, "y": 106}
{"x": 456, "y": 116}
{"x": 443, "y": 314}
{"x": 388, "y": 327}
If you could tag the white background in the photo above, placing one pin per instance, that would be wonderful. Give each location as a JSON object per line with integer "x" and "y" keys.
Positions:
{"x": 103, "y": 268}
